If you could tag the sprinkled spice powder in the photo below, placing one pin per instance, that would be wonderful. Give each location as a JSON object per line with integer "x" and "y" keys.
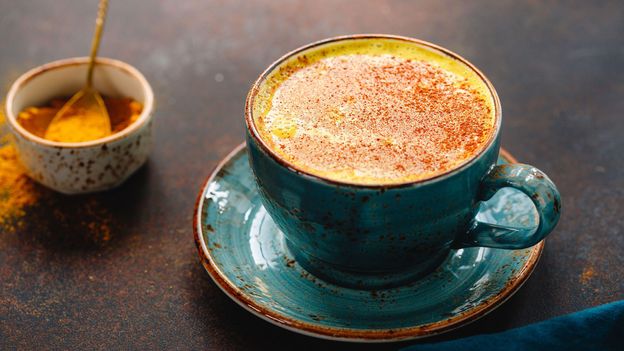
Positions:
{"x": 375, "y": 118}
{"x": 17, "y": 191}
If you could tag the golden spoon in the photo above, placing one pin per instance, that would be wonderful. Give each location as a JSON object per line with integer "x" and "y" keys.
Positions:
{"x": 84, "y": 116}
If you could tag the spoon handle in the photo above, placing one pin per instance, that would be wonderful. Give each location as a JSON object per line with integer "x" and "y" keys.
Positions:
{"x": 95, "y": 43}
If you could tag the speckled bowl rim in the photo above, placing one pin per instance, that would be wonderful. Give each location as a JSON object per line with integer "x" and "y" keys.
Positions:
{"x": 255, "y": 88}
{"x": 146, "y": 114}
{"x": 346, "y": 334}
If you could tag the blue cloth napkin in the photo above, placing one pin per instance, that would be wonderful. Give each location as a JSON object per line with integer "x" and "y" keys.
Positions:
{"x": 597, "y": 328}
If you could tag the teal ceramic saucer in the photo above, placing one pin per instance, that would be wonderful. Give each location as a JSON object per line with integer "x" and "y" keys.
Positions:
{"x": 246, "y": 256}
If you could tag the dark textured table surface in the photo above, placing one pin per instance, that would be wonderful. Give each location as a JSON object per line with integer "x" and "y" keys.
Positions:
{"x": 119, "y": 270}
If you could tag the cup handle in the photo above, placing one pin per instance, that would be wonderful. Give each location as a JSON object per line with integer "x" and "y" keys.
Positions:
{"x": 535, "y": 184}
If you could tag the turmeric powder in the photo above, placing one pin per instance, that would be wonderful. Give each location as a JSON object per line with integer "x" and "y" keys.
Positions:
{"x": 122, "y": 113}
{"x": 17, "y": 191}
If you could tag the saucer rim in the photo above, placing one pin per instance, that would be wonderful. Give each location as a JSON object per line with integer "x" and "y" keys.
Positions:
{"x": 347, "y": 334}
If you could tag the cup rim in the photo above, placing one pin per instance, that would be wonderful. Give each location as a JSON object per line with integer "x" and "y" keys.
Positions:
{"x": 144, "y": 117}
{"x": 253, "y": 92}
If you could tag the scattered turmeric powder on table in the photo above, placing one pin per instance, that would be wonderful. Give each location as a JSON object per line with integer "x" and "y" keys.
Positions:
{"x": 17, "y": 191}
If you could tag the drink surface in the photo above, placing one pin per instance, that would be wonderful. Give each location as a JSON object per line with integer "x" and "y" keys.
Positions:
{"x": 374, "y": 111}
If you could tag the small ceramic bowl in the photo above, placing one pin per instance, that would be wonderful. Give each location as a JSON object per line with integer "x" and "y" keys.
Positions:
{"x": 75, "y": 168}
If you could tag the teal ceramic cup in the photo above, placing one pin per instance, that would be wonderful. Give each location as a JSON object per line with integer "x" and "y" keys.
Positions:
{"x": 375, "y": 236}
